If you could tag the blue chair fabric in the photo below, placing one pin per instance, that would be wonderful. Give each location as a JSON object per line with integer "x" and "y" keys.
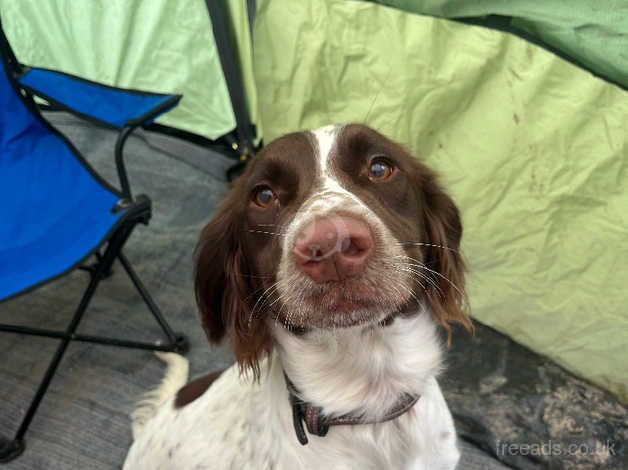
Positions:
{"x": 54, "y": 210}
{"x": 115, "y": 107}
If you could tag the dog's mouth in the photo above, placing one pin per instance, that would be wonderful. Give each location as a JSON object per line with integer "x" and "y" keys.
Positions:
{"x": 343, "y": 298}
{"x": 340, "y": 304}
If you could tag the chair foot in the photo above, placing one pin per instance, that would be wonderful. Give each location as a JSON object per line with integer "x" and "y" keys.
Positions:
{"x": 10, "y": 449}
{"x": 181, "y": 344}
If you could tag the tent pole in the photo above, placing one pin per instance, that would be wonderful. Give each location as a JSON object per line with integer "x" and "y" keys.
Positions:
{"x": 226, "y": 51}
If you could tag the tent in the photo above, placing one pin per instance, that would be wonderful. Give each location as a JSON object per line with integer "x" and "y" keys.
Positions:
{"x": 521, "y": 106}
{"x": 534, "y": 148}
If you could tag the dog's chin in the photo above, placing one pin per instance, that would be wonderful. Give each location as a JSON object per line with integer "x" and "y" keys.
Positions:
{"x": 336, "y": 306}
{"x": 349, "y": 316}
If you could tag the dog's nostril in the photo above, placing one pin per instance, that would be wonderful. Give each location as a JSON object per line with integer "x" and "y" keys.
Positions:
{"x": 315, "y": 252}
{"x": 352, "y": 250}
{"x": 354, "y": 246}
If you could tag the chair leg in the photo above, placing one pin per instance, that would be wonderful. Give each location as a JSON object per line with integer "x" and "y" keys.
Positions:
{"x": 105, "y": 340}
{"x": 12, "y": 449}
{"x": 178, "y": 342}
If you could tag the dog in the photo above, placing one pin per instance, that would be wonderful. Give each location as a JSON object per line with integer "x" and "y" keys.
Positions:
{"x": 333, "y": 267}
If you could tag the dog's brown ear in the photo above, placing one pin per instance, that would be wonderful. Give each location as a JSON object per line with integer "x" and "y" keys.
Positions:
{"x": 224, "y": 288}
{"x": 445, "y": 291}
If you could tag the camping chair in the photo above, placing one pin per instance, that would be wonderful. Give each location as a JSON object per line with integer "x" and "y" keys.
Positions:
{"x": 56, "y": 211}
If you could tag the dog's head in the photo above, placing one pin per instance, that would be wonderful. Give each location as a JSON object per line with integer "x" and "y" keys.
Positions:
{"x": 335, "y": 228}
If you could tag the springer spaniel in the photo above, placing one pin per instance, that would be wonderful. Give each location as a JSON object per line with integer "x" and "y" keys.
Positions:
{"x": 329, "y": 266}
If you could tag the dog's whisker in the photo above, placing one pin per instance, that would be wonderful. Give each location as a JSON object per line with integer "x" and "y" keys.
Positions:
{"x": 267, "y": 233}
{"x": 410, "y": 268}
{"x": 415, "y": 275}
{"x": 420, "y": 275}
{"x": 254, "y": 276}
{"x": 253, "y": 293}
{"x": 425, "y": 288}
{"x": 263, "y": 297}
{"x": 268, "y": 225}
{"x": 421, "y": 265}
{"x": 408, "y": 290}
{"x": 431, "y": 245}
{"x": 429, "y": 280}
{"x": 390, "y": 301}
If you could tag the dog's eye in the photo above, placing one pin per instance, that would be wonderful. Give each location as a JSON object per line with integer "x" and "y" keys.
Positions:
{"x": 380, "y": 169}
{"x": 264, "y": 196}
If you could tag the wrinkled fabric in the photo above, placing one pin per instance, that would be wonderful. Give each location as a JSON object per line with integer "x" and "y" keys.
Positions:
{"x": 157, "y": 45}
{"x": 533, "y": 149}
{"x": 592, "y": 32}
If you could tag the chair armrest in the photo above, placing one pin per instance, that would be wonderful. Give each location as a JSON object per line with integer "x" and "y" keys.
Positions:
{"x": 108, "y": 105}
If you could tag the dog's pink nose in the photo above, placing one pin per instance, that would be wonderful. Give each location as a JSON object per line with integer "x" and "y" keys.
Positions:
{"x": 333, "y": 248}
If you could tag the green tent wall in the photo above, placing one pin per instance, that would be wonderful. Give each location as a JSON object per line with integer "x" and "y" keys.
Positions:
{"x": 533, "y": 149}
{"x": 590, "y": 33}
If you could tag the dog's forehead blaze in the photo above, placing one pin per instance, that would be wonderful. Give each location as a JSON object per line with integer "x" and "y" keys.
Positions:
{"x": 329, "y": 150}
{"x": 325, "y": 141}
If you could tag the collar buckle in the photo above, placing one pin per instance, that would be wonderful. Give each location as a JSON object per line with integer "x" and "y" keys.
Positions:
{"x": 297, "y": 418}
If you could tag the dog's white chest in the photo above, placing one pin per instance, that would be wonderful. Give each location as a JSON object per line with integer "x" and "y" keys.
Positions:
{"x": 244, "y": 425}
